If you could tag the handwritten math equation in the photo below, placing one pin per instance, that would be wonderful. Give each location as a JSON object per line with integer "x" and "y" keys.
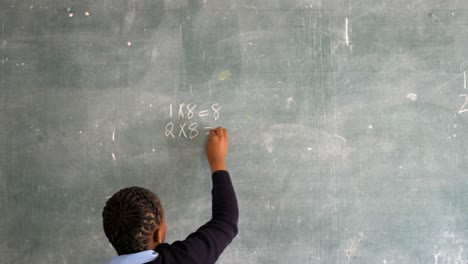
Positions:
{"x": 187, "y": 115}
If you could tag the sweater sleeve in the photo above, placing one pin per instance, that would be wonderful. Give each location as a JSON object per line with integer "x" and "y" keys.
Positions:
{"x": 209, "y": 241}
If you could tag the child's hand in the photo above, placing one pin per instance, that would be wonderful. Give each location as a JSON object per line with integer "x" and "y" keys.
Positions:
{"x": 217, "y": 148}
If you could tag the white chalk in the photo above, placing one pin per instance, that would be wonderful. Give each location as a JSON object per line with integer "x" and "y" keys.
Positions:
{"x": 346, "y": 32}
{"x": 412, "y": 96}
{"x": 464, "y": 77}
{"x": 340, "y": 137}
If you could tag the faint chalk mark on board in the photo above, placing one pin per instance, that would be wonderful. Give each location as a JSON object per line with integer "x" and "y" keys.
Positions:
{"x": 451, "y": 80}
{"x": 346, "y": 32}
{"x": 224, "y": 75}
{"x": 340, "y": 137}
{"x": 445, "y": 253}
{"x": 412, "y": 96}
{"x": 155, "y": 53}
{"x": 289, "y": 101}
{"x": 464, "y": 79}
{"x": 434, "y": 18}
{"x": 352, "y": 247}
{"x": 130, "y": 16}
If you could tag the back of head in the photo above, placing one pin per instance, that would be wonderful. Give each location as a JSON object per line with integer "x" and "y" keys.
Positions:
{"x": 130, "y": 217}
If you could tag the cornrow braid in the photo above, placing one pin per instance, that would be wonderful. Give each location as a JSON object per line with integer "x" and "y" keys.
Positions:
{"x": 130, "y": 217}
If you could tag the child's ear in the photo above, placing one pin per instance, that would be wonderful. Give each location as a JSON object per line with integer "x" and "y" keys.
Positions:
{"x": 161, "y": 232}
{"x": 157, "y": 236}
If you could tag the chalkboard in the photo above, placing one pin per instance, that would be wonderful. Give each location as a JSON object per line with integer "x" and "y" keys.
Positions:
{"x": 348, "y": 123}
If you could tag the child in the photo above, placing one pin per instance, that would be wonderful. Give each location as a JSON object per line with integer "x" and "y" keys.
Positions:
{"x": 135, "y": 224}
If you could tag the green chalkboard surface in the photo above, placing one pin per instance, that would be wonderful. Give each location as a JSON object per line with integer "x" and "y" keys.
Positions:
{"x": 348, "y": 123}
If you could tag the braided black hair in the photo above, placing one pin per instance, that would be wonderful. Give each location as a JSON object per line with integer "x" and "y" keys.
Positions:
{"x": 130, "y": 217}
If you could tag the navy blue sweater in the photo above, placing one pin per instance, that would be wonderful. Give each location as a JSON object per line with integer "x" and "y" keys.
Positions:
{"x": 206, "y": 244}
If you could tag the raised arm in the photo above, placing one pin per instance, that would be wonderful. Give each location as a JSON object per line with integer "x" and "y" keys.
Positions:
{"x": 217, "y": 149}
{"x": 206, "y": 244}
{"x": 224, "y": 197}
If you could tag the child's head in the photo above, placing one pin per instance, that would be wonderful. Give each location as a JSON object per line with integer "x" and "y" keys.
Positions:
{"x": 134, "y": 221}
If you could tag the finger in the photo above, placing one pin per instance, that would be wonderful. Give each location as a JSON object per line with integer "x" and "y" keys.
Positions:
{"x": 226, "y": 134}
{"x": 219, "y": 131}
{"x": 212, "y": 132}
